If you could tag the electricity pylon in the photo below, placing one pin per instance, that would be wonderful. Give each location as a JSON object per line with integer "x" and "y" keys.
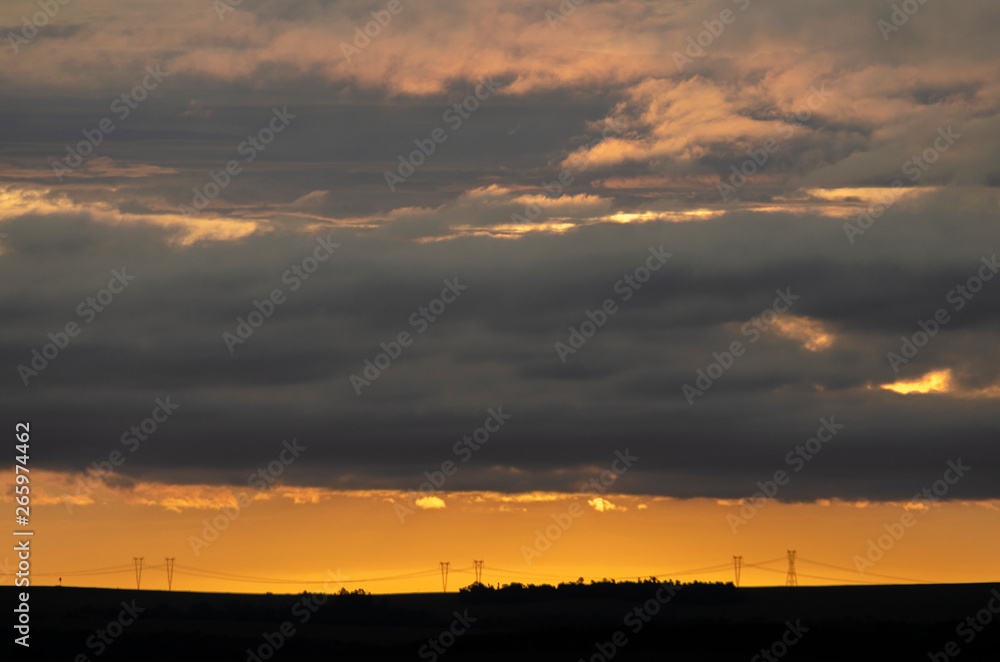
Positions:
{"x": 137, "y": 560}
{"x": 478, "y": 565}
{"x": 792, "y": 579}
{"x": 170, "y": 573}
{"x": 444, "y": 576}
{"x": 738, "y": 566}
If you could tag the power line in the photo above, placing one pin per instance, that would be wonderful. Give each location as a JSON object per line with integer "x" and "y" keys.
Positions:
{"x": 697, "y": 571}
{"x": 831, "y": 579}
{"x": 791, "y": 576}
{"x": 873, "y": 574}
{"x": 213, "y": 574}
{"x": 100, "y": 571}
{"x": 526, "y": 574}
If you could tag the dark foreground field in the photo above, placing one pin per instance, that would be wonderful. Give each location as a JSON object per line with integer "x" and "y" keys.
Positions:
{"x": 701, "y": 622}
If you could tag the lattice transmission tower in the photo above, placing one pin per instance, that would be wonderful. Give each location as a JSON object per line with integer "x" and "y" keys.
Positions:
{"x": 792, "y": 579}
{"x": 137, "y": 560}
{"x": 478, "y": 566}
{"x": 444, "y": 576}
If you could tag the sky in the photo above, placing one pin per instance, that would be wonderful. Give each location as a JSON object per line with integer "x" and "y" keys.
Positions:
{"x": 400, "y": 283}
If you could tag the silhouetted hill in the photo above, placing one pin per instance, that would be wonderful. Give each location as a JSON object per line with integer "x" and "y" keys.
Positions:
{"x": 595, "y": 622}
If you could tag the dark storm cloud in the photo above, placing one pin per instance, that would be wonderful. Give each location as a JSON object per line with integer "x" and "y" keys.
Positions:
{"x": 494, "y": 346}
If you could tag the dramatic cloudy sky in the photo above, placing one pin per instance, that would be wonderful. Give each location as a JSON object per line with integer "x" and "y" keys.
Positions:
{"x": 650, "y": 125}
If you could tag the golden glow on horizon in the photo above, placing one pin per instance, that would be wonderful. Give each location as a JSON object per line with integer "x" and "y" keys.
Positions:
{"x": 298, "y": 535}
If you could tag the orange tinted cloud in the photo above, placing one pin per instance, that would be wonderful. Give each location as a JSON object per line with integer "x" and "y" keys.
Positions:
{"x": 812, "y": 333}
{"x": 943, "y": 381}
{"x": 938, "y": 381}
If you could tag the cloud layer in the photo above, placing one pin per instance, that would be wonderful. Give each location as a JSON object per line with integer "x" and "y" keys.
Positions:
{"x": 545, "y": 200}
